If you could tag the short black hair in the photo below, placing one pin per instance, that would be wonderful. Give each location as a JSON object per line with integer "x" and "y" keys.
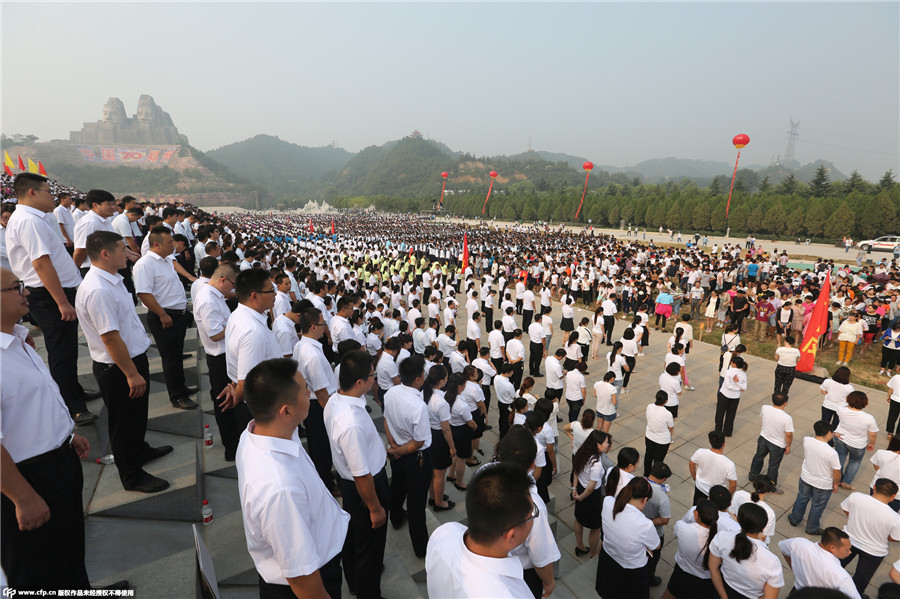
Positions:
{"x": 497, "y": 500}
{"x": 208, "y": 266}
{"x": 822, "y": 428}
{"x": 252, "y": 280}
{"x": 716, "y": 439}
{"x": 99, "y": 241}
{"x": 98, "y": 196}
{"x": 25, "y": 181}
{"x": 355, "y": 365}
{"x": 517, "y": 448}
{"x": 660, "y": 470}
{"x": 410, "y": 369}
{"x": 268, "y": 386}
{"x": 720, "y": 496}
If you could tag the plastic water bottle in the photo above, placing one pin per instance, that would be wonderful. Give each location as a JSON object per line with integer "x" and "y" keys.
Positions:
{"x": 206, "y": 512}
{"x": 107, "y": 459}
{"x": 207, "y": 437}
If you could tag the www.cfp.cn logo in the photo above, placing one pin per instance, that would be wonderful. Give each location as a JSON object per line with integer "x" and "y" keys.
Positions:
{"x": 9, "y": 592}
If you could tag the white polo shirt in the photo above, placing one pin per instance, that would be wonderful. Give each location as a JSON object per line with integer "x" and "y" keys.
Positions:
{"x": 506, "y": 393}
{"x": 659, "y": 419}
{"x": 712, "y": 469}
{"x": 820, "y": 460}
{"x": 574, "y": 385}
{"x": 453, "y": 571}
{"x": 536, "y": 332}
{"x": 30, "y": 236}
{"x": 356, "y": 447}
{"x": 775, "y": 425}
{"x": 750, "y": 576}
{"x": 35, "y": 417}
{"x": 248, "y": 341}
{"x": 211, "y": 314}
{"x": 473, "y": 330}
{"x": 64, "y": 217}
{"x": 672, "y": 386}
{"x": 282, "y": 303}
{"x": 386, "y": 371}
{"x": 103, "y": 305}
{"x": 285, "y": 334}
{"x": 516, "y": 350}
{"x": 314, "y": 366}
{"x": 496, "y": 342}
{"x": 406, "y": 414}
{"x": 870, "y": 523}
{"x": 122, "y": 225}
{"x": 554, "y": 372}
{"x": 816, "y": 567}
{"x": 292, "y": 523}
{"x": 155, "y": 274}
{"x": 628, "y": 536}
{"x": 340, "y": 330}
{"x": 87, "y": 225}
{"x": 741, "y": 497}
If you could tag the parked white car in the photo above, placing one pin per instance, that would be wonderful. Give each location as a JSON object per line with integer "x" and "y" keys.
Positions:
{"x": 886, "y": 243}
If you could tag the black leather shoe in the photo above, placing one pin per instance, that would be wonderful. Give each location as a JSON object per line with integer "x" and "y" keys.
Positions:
{"x": 92, "y": 395}
{"x": 186, "y": 356}
{"x": 184, "y": 403}
{"x": 443, "y": 508}
{"x": 190, "y": 390}
{"x": 85, "y": 417}
{"x": 149, "y": 484}
{"x": 157, "y": 452}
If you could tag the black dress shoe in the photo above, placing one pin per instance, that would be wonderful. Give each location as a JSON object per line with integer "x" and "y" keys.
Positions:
{"x": 148, "y": 484}
{"x": 186, "y": 356}
{"x": 184, "y": 403}
{"x": 122, "y": 585}
{"x": 581, "y": 551}
{"x": 190, "y": 390}
{"x": 431, "y": 501}
{"x": 399, "y": 521}
{"x": 85, "y": 417}
{"x": 157, "y": 452}
{"x": 92, "y": 396}
{"x": 450, "y": 505}
{"x": 488, "y": 427}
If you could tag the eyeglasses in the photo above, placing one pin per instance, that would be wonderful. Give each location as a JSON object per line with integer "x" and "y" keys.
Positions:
{"x": 535, "y": 512}
{"x": 44, "y": 190}
{"x": 319, "y": 324}
{"x": 269, "y": 291}
{"x": 19, "y": 286}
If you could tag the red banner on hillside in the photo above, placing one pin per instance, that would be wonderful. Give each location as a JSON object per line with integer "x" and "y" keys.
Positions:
{"x": 815, "y": 329}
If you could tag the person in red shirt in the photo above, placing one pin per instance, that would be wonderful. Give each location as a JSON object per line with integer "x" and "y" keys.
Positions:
{"x": 764, "y": 308}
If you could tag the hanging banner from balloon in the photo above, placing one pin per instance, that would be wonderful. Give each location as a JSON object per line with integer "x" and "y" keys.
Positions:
{"x": 740, "y": 142}
{"x": 493, "y": 175}
{"x": 444, "y": 175}
{"x": 587, "y": 166}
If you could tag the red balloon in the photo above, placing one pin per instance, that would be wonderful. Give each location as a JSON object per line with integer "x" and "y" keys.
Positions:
{"x": 588, "y": 166}
{"x": 493, "y": 174}
{"x": 445, "y": 174}
{"x": 740, "y": 141}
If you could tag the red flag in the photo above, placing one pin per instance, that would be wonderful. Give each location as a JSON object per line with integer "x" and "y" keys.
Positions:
{"x": 8, "y": 172}
{"x": 332, "y": 226}
{"x": 815, "y": 328}
{"x": 41, "y": 168}
{"x": 465, "y": 260}
{"x": 311, "y": 230}
{"x": 21, "y": 163}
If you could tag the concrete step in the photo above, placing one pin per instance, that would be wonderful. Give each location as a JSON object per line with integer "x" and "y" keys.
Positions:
{"x": 228, "y": 547}
{"x": 161, "y": 416}
{"x": 213, "y": 458}
{"x": 175, "y": 575}
{"x": 181, "y": 501}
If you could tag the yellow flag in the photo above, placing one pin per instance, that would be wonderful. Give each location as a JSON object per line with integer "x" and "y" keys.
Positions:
{"x": 8, "y": 161}
{"x": 32, "y": 166}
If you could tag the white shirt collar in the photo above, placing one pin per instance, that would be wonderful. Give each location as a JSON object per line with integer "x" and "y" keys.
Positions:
{"x": 290, "y": 446}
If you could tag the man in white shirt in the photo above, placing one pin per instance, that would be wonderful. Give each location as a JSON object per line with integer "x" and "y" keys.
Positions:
{"x": 316, "y": 370}
{"x": 609, "y": 317}
{"x": 775, "y": 438}
{"x": 285, "y": 328}
{"x": 295, "y": 529}
{"x": 39, "y": 462}
{"x": 872, "y": 525}
{"x": 710, "y": 467}
{"x": 497, "y": 345}
{"x": 819, "y": 564}
{"x": 282, "y": 299}
{"x": 535, "y": 347}
{"x": 160, "y": 290}
{"x": 118, "y": 345}
{"x": 359, "y": 457}
{"x": 122, "y": 224}
{"x": 476, "y": 561}
{"x": 820, "y": 475}
{"x": 39, "y": 258}
{"x": 66, "y": 222}
{"x": 408, "y": 432}
{"x": 555, "y": 381}
{"x": 527, "y": 306}
{"x": 473, "y": 333}
{"x": 515, "y": 352}
{"x": 211, "y": 314}
{"x": 506, "y": 394}
{"x": 103, "y": 206}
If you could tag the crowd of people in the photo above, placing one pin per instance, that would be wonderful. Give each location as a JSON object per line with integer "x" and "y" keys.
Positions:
{"x": 312, "y": 325}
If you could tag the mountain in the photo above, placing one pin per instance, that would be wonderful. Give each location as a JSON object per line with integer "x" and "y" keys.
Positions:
{"x": 287, "y": 170}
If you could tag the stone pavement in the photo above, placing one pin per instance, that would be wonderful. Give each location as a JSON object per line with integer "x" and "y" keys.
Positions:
{"x": 148, "y": 539}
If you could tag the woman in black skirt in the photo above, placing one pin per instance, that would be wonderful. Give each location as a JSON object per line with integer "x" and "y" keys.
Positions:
{"x": 691, "y": 579}
{"x": 442, "y": 447}
{"x": 588, "y": 498}
{"x": 461, "y": 428}
{"x": 567, "y": 324}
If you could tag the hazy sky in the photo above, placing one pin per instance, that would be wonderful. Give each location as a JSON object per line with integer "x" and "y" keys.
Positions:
{"x": 617, "y": 83}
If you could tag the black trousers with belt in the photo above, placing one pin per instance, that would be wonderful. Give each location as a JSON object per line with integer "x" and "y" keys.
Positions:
{"x": 170, "y": 344}
{"x": 50, "y": 557}
{"x": 363, "y": 552}
{"x": 726, "y": 410}
{"x": 331, "y": 580}
{"x": 61, "y": 340}
{"x": 232, "y": 422}
{"x": 317, "y": 442}
{"x": 536, "y": 354}
{"x": 127, "y": 417}
{"x": 410, "y": 479}
{"x": 609, "y": 322}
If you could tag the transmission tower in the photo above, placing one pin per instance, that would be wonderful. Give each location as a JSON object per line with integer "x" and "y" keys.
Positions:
{"x": 792, "y": 140}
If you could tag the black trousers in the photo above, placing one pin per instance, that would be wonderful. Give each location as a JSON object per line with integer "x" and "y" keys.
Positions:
{"x": 410, "y": 479}
{"x": 865, "y": 569}
{"x": 497, "y": 363}
{"x": 363, "y": 552}
{"x": 127, "y": 417}
{"x": 726, "y": 410}
{"x": 608, "y": 323}
{"x": 784, "y": 378}
{"x": 50, "y": 557}
{"x": 543, "y": 482}
{"x": 574, "y": 409}
{"x": 516, "y": 378}
{"x": 534, "y": 358}
{"x": 232, "y": 422}
{"x": 331, "y": 580}
{"x": 503, "y": 409}
{"x": 489, "y": 317}
{"x": 653, "y": 452}
{"x": 486, "y": 392}
{"x": 61, "y": 340}
{"x": 527, "y": 317}
{"x": 170, "y": 344}
{"x": 317, "y": 442}
{"x": 654, "y": 559}
{"x": 534, "y": 582}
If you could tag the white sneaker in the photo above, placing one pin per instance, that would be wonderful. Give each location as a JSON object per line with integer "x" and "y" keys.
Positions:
{"x": 625, "y": 391}
{"x": 641, "y": 355}
{"x": 689, "y": 388}
{"x": 838, "y": 362}
{"x": 881, "y": 371}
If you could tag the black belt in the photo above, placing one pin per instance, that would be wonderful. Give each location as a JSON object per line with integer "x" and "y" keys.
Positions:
{"x": 53, "y": 453}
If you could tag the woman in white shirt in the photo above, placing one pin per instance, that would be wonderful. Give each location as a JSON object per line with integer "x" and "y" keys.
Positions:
{"x": 442, "y": 448}
{"x": 729, "y": 395}
{"x": 854, "y": 435}
{"x": 517, "y": 414}
{"x": 461, "y": 427}
{"x": 849, "y": 334}
{"x": 616, "y": 363}
{"x": 887, "y": 465}
{"x": 597, "y": 330}
{"x": 690, "y": 578}
{"x": 567, "y": 324}
{"x": 893, "y": 406}
{"x": 670, "y": 383}
{"x": 762, "y": 486}
{"x": 787, "y": 356}
{"x": 658, "y": 434}
{"x": 628, "y": 536}
{"x": 588, "y": 465}
{"x": 579, "y": 430}
{"x": 607, "y": 400}
{"x": 575, "y": 390}
{"x": 629, "y": 351}
{"x": 740, "y": 565}
{"x": 573, "y": 353}
{"x": 836, "y": 389}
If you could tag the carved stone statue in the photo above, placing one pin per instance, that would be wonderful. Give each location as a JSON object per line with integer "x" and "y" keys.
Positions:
{"x": 149, "y": 126}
